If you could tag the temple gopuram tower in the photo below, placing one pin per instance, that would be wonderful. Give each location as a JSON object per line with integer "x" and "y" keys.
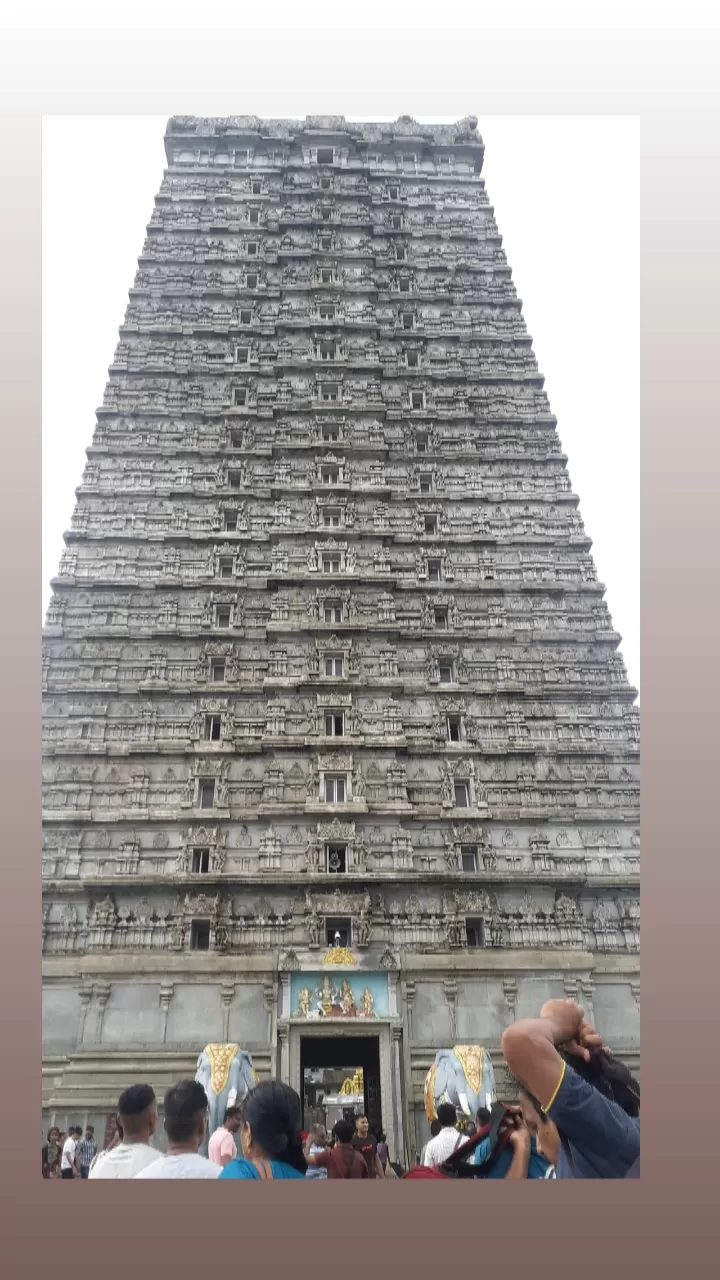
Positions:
{"x": 340, "y": 756}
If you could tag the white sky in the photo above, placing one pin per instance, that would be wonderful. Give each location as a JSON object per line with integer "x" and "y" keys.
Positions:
{"x": 566, "y": 192}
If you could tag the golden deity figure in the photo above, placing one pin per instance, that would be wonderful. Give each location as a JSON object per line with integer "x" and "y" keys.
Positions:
{"x": 366, "y": 1004}
{"x": 347, "y": 999}
{"x": 354, "y": 1086}
{"x": 304, "y": 1002}
{"x": 327, "y": 995}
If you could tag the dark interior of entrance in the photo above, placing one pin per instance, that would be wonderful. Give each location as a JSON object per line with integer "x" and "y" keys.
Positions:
{"x": 327, "y": 1064}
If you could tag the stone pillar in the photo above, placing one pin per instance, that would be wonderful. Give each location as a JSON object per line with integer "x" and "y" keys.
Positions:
{"x": 587, "y": 991}
{"x": 85, "y": 993}
{"x": 284, "y": 1010}
{"x": 571, "y": 985}
{"x": 227, "y": 993}
{"x": 102, "y": 994}
{"x": 399, "y": 1146}
{"x": 283, "y": 1037}
{"x": 510, "y": 991}
{"x": 166, "y": 995}
{"x": 450, "y": 993}
{"x": 408, "y": 990}
{"x": 270, "y": 994}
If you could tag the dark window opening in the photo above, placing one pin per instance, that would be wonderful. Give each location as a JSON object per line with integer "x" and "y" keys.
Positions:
{"x": 336, "y": 858}
{"x": 453, "y": 728}
{"x": 201, "y": 861}
{"x": 338, "y": 931}
{"x": 217, "y": 670}
{"x": 212, "y": 728}
{"x": 446, "y": 674}
{"x": 334, "y": 724}
{"x": 335, "y": 789}
{"x": 200, "y": 935}
{"x": 206, "y": 790}
{"x": 468, "y": 857}
{"x": 326, "y": 155}
{"x": 475, "y": 933}
{"x": 462, "y": 795}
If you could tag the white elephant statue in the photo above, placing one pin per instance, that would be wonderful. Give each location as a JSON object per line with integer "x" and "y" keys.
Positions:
{"x": 227, "y": 1075}
{"x": 463, "y": 1076}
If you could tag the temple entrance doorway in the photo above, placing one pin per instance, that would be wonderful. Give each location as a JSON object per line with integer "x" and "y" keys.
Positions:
{"x": 340, "y": 1079}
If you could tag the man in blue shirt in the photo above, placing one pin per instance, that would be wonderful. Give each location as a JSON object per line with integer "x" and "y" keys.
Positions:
{"x": 584, "y": 1117}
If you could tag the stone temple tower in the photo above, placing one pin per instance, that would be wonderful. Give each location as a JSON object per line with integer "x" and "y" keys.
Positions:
{"x": 340, "y": 758}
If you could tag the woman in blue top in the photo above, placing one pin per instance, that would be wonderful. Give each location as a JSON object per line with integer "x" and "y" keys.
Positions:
{"x": 270, "y": 1138}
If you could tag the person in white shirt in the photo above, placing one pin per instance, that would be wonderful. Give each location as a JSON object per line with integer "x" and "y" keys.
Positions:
{"x": 448, "y": 1140}
{"x": 68, "y": 1159}
{"x": 186, "y": 1117}
{"x": 136, "y": 1122}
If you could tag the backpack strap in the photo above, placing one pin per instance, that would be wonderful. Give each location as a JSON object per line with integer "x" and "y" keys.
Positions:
{"x": 455, "y": 1165}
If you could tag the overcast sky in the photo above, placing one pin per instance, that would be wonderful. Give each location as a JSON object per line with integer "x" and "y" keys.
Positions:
{"x": 566, "y": 193}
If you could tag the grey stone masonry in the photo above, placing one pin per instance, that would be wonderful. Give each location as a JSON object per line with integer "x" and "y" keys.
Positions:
{"x": 327, "y": 649}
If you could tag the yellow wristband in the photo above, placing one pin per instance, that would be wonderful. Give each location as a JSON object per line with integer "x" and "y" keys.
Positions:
{"x": 557, "y": 1089}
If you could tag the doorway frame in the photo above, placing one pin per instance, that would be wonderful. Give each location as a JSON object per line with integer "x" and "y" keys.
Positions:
{"x": 371, "y": 1047}
{"x": 388, "y": 1032}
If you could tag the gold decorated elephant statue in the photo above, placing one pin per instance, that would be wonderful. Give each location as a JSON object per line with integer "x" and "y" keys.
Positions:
{"x": 463, "y": 1076}
{"x": 227, "y": 1075}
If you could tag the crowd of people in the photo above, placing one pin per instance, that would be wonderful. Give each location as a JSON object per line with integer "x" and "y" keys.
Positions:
{"x": 577, "y": 1115}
